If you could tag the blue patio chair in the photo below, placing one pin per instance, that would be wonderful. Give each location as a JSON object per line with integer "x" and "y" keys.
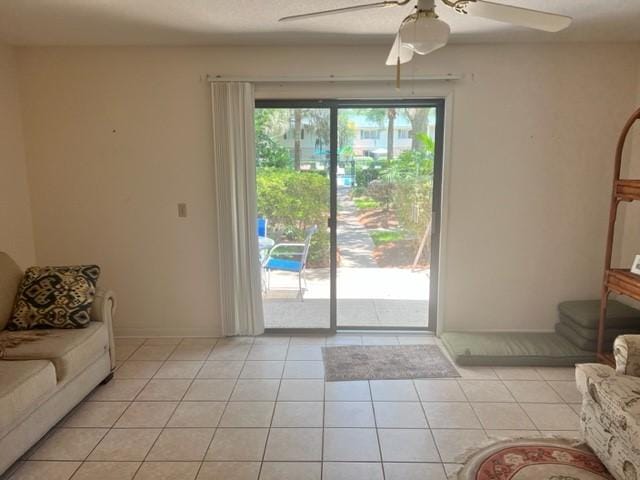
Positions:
{"x": 290, "y": 257}
{"x": 262, "y": 226}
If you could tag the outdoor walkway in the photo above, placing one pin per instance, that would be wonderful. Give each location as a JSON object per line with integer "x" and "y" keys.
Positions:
{"x": 354, "y": 242}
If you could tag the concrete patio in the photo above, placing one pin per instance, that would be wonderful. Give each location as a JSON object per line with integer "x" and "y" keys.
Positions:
{"x": 367, "y": 297}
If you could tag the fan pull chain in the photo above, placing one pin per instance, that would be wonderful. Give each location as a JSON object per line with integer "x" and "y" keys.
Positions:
{"x": 398, "y": 74}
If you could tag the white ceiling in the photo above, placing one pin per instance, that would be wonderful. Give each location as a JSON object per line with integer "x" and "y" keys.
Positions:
{"x": 250, "y": 22}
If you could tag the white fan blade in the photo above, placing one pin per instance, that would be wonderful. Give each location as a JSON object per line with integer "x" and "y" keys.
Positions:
{"x": 403, "y": 51}
{"x": 549, "y": 22}
{"x": 336, "y": 11}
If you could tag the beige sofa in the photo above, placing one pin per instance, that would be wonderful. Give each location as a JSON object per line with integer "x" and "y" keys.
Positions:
{"x": 41, "y": 381}
{"x": 610, "y": 418}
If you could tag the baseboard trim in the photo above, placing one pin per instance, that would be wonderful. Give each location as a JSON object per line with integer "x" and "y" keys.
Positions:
{"x": 167, "y": 332}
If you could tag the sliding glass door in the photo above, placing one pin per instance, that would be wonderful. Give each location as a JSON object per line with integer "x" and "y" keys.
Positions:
{"x": 348, "y": 204}
{"x": 293, "y": 191}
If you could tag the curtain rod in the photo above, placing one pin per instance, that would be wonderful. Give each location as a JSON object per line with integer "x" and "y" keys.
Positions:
{"x": 333, "y": 78}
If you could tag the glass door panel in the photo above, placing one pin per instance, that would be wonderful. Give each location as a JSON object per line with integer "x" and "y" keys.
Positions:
{"x": 293, "y": 197}
{"x": 385, "y": 185}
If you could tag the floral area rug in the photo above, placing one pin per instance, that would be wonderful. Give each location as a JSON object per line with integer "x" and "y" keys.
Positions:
{"x": 534, "y": 459}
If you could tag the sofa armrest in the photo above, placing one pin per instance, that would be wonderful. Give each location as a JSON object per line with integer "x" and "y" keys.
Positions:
{"x": 626, "y": 350}
{"x": 102, "y": 310}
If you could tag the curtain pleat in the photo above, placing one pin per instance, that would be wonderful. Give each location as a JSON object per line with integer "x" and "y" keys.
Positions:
{"x": 234, "y": 156}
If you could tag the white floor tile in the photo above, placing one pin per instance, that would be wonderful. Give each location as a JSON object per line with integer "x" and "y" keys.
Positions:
{"x": 256, "y": 390}
{"x": 229, "y": 471}
{"x": 118, "y": 390}
{"x": 357, "y": 391}
{"x": 298, "y": 414}
{"x": 407, "y": 445}
{"x": 48, "y": 470}
{"x": 352, "y": 471}
{"x": 349, "y": 414}
{"x": 266, "y": 369}
{"x": 399, "y": 415}
{"x": 552, "y": 417}
{"x": 237, "y": 444}
{"x": 294, "y": 445}
{"x": 532, "y": 391}
{"x": 125, "y": 444}
{"x": 451, "y": 415}
{"x": 291, "y": 471}
{"x": 454, "y": 445}
{"x": 107, "y": 471}
{"x": 393, "y": 391}
{"x": 95, "y": 414}
{"x": 301, "y": 390}
{"x": 502, "y": 416}
{"x": 439, "y": 391}
{"x": 197, "y": 414}
{"x": 146, "y": 415}
{"x": 213, "y": 390}
{"x": 247, "y": 414}
{"x": 181, "y": 444}
{"x": 69, "y": 444}
{"x": 414, "y": 471}
{"x": 351, "y": 445}
{"x": 221, "y": 369}
{"x": 304, "y": 369}
{"x": 164, "y": 390}
{"x": 168, "y": 471}
{"x": 486, "y": 391}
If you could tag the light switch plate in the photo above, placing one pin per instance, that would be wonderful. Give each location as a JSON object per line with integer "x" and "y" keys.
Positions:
{"x": 182, "y": 209}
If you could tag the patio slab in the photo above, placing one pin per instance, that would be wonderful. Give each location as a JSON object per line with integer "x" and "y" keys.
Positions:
{"x": 367, "y": 297}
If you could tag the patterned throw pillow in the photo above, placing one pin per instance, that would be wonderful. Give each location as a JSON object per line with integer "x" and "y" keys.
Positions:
{"x": 55, "y": 297}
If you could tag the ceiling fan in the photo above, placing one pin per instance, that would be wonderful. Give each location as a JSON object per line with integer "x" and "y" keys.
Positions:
{"x": 422, "y": 32}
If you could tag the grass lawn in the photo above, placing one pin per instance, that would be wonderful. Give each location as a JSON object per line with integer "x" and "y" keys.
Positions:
{"x": 366, "y": 203}
{"x": 381, "y": 237}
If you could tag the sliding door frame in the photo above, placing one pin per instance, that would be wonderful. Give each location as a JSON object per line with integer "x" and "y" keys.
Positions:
{"x": 334, "y": 105}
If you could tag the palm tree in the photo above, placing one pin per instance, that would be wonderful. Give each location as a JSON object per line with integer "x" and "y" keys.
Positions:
{"x": 391, "y": 117}
{"x": 418, "y": 118}
{"x": 297, "y": 133}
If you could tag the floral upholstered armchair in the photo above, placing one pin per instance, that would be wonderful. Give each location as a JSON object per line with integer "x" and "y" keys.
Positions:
{"x": 610, "y": 418}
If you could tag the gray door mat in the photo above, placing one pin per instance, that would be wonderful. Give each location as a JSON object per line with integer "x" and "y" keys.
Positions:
{"x": 385, "y": 362}
{"x": 514, "y": 349}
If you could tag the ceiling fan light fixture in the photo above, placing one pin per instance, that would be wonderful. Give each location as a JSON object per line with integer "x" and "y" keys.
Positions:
{"x": 425, "y": 33}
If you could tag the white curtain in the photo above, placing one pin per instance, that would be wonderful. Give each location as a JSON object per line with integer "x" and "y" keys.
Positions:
{"x": 235, "y": 170}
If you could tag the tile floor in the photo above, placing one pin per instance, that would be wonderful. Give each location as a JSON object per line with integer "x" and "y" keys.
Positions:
{"x": 259, "y": 409}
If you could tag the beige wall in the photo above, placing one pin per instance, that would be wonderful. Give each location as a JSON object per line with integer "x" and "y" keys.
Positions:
{"x": 16, "y": 231}
{"x": 628, "y": 241}
{"x": 117, "y": 136}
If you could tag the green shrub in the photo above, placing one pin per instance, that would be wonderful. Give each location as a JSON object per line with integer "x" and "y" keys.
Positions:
{"x": 411, "y": 175}
{"x": 364, "y": 176}
{"x": 293, "y": 201}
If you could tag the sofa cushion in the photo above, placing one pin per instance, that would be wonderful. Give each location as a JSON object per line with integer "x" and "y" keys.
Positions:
{"x": 55, "y": 297}
{"x": 610, "y": 333}
{"x": 10, "y": 277}
{"x": 570, "y": 334}
{"x": 22, "y": 385}
{"x": 587, "y": 314}
{"x": 513, "y": 349}
{"x": 70, "y": 351}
